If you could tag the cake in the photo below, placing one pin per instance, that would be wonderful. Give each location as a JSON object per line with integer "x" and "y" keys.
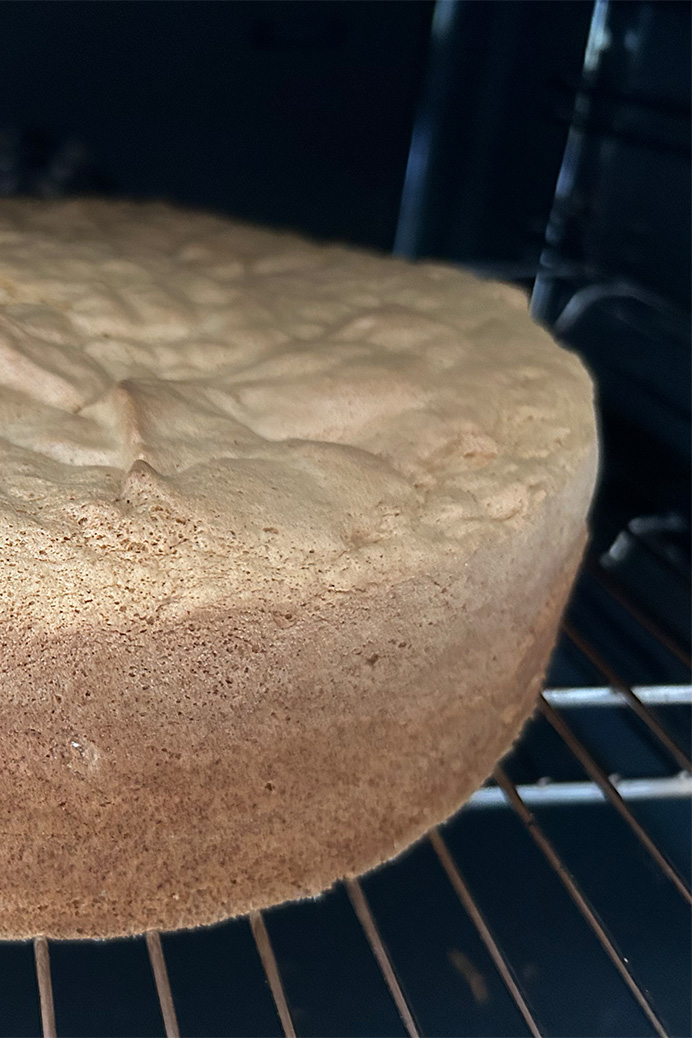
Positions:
{"x": 287, "y": 531}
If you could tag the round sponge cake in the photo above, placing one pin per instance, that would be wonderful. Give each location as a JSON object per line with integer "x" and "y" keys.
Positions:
{"x": 287, "y": 531}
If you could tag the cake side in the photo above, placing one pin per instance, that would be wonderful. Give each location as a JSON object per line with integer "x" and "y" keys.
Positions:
{"x": 200, "y": 770}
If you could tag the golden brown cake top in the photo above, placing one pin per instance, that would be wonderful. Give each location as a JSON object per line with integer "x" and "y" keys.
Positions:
{"x": 193, "y": 411}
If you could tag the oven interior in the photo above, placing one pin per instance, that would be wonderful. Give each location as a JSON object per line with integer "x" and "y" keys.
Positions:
{"x": 543, "y": 144}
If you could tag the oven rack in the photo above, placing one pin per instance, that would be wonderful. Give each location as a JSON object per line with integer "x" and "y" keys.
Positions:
{"x": 504, "y": 795}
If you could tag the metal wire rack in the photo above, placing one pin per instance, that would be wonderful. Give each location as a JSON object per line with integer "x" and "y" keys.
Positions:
{"x": 389, "y": 996}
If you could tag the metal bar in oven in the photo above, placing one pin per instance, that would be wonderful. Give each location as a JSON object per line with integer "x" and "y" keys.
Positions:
{"x": 599, "y": 573}
{"x": 594, "y": 770}
{"x": 545, "y": 793}
{"x": 464, "y": 894}
{"x": 271, "y": 969}
{"x": 639, "y": 708}
{"x": 649, "y": 695}
{"x": 367, "y": 921}
{"x": 163, "y": 987}
{"x": 570, "y": 884}
{"x": 45, "y": 987}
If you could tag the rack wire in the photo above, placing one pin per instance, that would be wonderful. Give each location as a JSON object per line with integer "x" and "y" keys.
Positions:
{"x": 554, "y": 706}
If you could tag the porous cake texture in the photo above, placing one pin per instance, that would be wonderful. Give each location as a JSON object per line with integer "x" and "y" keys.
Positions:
{"x": 286, "y": 532}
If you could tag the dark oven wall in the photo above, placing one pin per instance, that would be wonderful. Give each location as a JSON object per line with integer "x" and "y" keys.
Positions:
{"x": 296, "y": 114}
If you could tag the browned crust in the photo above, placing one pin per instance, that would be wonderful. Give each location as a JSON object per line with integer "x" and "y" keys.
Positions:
{"x": 296, "y": 792}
